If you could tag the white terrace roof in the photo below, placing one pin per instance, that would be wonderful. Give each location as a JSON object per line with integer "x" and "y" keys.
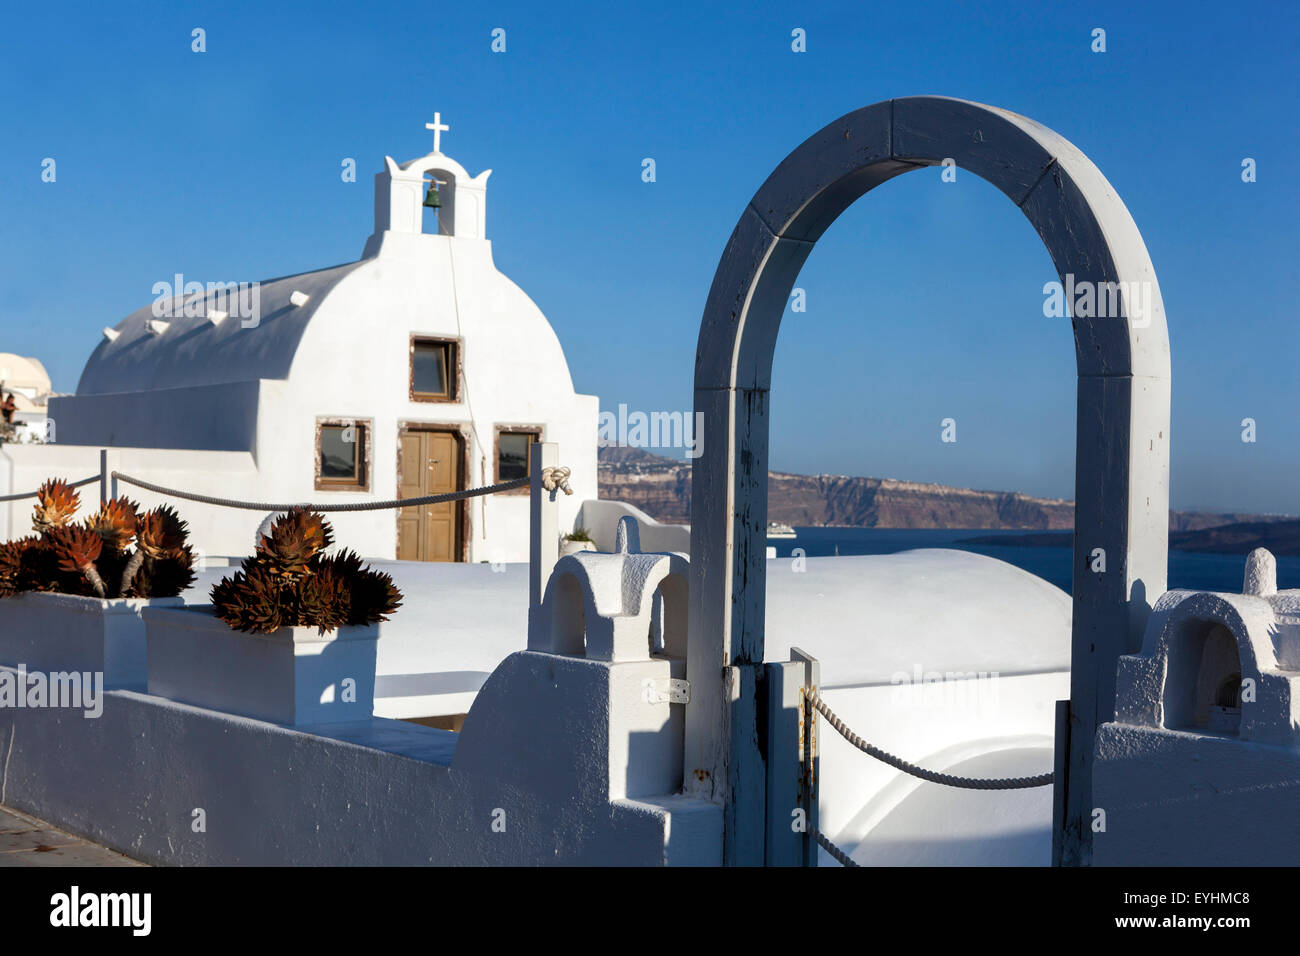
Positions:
{"x": 867, "y": 618}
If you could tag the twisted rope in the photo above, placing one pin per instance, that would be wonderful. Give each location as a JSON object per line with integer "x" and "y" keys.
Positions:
{"x": 33, "y": 494}
{"x": 353, "y": 506}
{"x": 556, "y": 476}
{"x": 824, "y": 842}
{"x": 948, "y": 780}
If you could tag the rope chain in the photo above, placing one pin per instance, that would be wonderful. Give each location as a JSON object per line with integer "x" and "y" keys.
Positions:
{"x": 33, "y": 494}
{"x": 824, "y": 842}
{"x": 353, "y": 506}
{"x": 948, "y": 780}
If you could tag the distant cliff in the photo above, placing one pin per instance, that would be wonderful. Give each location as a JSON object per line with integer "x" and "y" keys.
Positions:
{"x": 661, "y": 487}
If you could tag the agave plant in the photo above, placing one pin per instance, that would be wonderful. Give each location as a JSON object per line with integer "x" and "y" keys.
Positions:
{"x": 162, "y": 562}
{"x": 25, "y": 565}
{"x": 77, "y": 548}
{"x": 295, "y": 539}
{"x": 115, "y": 523}
{"x": 290, "y": 582}
{"x": 95, "y": 557}
{"x": 56, "y": 503}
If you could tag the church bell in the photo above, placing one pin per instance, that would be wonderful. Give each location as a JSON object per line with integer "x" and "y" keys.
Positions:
{"x": 431, "y": 200}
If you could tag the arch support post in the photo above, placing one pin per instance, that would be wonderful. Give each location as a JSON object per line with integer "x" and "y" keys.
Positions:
{"x": 724, "y": 654}
{"x": 1121, "y": 541}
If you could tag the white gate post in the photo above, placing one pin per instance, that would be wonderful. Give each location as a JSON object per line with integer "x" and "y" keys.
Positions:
{"x": 543, "y": 534}
{"x": 792, "y": 761}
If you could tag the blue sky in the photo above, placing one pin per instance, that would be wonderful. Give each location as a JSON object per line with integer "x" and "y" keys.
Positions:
{"x": 924, "y": 300}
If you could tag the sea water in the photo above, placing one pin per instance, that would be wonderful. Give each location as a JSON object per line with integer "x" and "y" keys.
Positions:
{"x": 1195, "y": 570}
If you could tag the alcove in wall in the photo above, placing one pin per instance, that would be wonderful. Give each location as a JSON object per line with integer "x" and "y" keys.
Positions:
{"x": 1203, "y": 680}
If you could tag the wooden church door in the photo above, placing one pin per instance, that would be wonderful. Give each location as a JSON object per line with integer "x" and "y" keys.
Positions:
{"x": 430, "y": 465}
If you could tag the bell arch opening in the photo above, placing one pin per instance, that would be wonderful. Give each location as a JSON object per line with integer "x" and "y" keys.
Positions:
{"x": 438, "y": 207}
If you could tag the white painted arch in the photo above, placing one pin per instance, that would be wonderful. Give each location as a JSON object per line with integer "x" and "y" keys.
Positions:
{"x": 1122, "y": 450}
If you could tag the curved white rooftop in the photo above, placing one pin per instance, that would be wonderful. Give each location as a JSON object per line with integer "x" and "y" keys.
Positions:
{"x": 196, "y": 351}
{"x": 866, "y": 618}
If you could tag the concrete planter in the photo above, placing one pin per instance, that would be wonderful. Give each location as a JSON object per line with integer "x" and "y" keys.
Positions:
{"x": 291, "y": 676}
{"x": 64, "y": 632}
{"x": 574, "y": 547}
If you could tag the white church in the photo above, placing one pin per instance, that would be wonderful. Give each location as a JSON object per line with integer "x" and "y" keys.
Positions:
{"x": 416, "y": 370}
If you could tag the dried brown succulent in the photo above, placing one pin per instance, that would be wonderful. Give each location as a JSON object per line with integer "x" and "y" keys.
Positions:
{"x": 250, "y": 601}
{"x": 289, "y": 582}
{"x": 115, "y": 523}
{"x": 166, "y": 577}
{"x": 56, "y": 503}
{"x": 374, "y": 597}
{"x": 295, "y": 538}
{"x": 12, "y": 570}
{"x": 79, "y": 558}
{"x": 77, "y": 548}
{"x": 161, "y": 533}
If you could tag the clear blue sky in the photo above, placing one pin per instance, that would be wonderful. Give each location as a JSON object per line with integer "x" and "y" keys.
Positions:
{"x": 923, "y": 301}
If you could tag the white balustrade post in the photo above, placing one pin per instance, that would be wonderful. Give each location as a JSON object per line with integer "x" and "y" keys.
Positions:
{"x": 544, "y": 536}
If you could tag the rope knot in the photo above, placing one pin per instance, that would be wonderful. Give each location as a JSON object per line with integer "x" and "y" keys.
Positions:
{"x": 556, "y": 476}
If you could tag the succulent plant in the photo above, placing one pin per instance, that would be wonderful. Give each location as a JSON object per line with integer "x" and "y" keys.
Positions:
{"x": 162, "y": 563}
{"x": 14, "y": 568}
{"x": 250, "y": 601}
{"x": 82, "y": 558}
{"x": 291, "y": 582}
{"x": 294, "y": 539}
{"x": 77, "y": 548}
{"x": 115, "y": 523}
{"x": 374, "y": 597}
{"x": 161, "y": 533}
{"x": 162, "y": 577}
{"x": 56, "y": 503}
{"x": 27, "y": 565}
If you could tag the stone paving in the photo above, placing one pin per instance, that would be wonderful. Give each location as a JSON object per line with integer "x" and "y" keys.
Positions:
{"x": 27, "y": 841}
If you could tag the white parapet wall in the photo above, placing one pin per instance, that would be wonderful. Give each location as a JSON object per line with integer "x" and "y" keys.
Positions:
{"x": 168, "y": 783}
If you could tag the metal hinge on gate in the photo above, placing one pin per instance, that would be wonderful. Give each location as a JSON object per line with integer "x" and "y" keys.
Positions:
{"x": 667, "y": 691}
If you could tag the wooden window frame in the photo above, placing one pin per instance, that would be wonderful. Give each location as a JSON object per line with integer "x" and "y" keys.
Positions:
{"x": 455, "y": 368}
{"x": 535, "y": 430}
{"x": 366, "y": 427}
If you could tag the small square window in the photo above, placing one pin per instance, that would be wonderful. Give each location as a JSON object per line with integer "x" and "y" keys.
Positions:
{"x": 433, "y": 370}
{"x": 513, "y": 451}
{"x": 341, "y": 458}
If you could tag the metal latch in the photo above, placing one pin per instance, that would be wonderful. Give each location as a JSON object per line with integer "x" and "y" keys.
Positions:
{"x": 667, "y": 691}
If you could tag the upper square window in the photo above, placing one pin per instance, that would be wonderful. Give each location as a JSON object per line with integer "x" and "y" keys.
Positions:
{"x": 433, "y": 370}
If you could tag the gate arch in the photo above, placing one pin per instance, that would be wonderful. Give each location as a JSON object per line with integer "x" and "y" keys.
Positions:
{"x": 1122, "y": 435}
